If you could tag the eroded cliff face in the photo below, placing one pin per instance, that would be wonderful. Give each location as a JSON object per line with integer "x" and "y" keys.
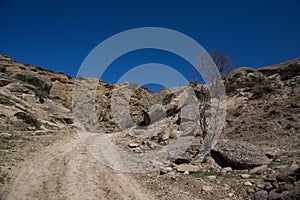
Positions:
{"x": 258, "y": 100}
{"x": 262, "y": 122}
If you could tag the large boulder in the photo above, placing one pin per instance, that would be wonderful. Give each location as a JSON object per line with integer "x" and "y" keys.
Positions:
{"x": 238, "y": 154}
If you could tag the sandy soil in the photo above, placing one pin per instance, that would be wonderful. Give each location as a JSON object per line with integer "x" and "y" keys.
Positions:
{"x": 65, "y": 170}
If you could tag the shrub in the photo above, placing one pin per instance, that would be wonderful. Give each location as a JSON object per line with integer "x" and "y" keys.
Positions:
{"x": 236, "y": 112}
{"x": 42, "y": 88}
{"x": 230, "y": 88}
{"x": 210, "y": 172}
{"x": 28, "y": 119}
{"x": 260, "y": 90}
{"x": 249, "y": 84}
{"x": 290, "y": 72}
{"x": 2, "y": 69}
{"x": 5, "y": 101}
{"x": 274, "y": 112}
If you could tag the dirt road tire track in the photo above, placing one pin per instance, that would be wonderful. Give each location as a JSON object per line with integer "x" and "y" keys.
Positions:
{"x": 65, "y": 171}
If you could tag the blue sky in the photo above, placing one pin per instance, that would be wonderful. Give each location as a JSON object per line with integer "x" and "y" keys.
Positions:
{"x": 58, "y": 35}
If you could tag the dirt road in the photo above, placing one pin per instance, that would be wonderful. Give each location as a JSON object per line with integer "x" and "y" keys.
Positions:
{"x": 65, "y": 170}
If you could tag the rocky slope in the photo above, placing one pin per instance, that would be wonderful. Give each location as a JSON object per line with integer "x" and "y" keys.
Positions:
{"x": 257, "y": 157}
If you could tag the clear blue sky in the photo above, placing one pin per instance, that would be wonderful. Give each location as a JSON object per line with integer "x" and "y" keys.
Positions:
{"x": 58, "y": 35}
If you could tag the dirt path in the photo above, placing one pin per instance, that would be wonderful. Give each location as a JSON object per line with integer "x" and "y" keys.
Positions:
{"x": 66, "y": 170}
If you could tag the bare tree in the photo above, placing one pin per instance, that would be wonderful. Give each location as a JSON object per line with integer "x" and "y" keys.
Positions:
{"x": 211, "y": 96}
{"x": 222, "y": 60}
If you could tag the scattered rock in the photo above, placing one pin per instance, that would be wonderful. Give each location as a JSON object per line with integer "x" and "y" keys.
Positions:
{"x": 187, "y": 167}
{"x": 226, "y": 170}
{"x": 186, "y": 173}
{"x": 285, "y": 195}
{"x": 152, "y": 145}
{"x": 207, "y": 188}
{"x": 259, "y": 169}
{"x": 5, "y": 135}
{"x": 133, "y": 145}
{"x": 165, "y": 135}
{"x": 31, "y": 128}
{"x": 226, "y": 187}
{"x": 157, "y": 112}
{"x": 281, "y": 167}
{"x": 273, "y": 195}
{"x": 251, "y": 191}
{"x": 261, "y": 195}
{"x": 4, "y": 82}
{"x": 182, "y": 160}
{"x": 137, "y": 150}
{"x": 231, "y": 194}
{"x": 260, "y": 185}
{"x": 165, "y": 170}
{"x": 270, "y": 154}
{"x": 290, "y": 174}
{"x": 247, "y": 183}
{"x": 211, "y": 177}
{"x": 244, "y": 176}
{"x": 268, "y": 186}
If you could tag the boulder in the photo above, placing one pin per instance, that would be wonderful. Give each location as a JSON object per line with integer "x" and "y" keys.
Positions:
{"x": 238, "y": 154}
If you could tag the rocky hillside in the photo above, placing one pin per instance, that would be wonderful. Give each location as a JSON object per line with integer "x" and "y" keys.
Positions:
{"x": 257, "y": 156}
{"x": 264, "y": 105}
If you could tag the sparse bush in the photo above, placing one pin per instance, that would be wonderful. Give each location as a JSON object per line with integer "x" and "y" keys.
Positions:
{"x": 274, "y": 112}
{"x": 276, "y": 163}
{"x": 210, "y": 172}
{"x": 41, "y": 93}
{"x": 237, "y": 129}
{"x": 291, "y": 178}
{"x": 249, "y": 84}
{"x": 28, "y": 119}
{"x": 230, "y": 88}
{"x": 290, "y": 72}
{"x": 4, "y": 178}
{"x": 2, "y": 69}
{"x": 5, "y": 101}
{"x": 260, "y": 90}
{"x": 42, "y": 88}
{"x": 80, "y": 77}
{"x": 236, "y": 112}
